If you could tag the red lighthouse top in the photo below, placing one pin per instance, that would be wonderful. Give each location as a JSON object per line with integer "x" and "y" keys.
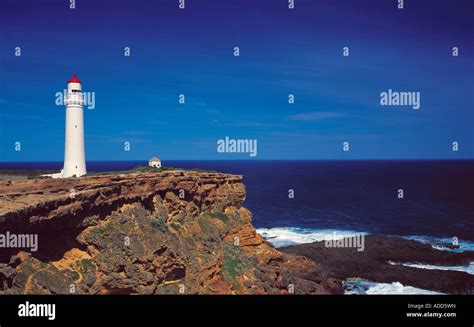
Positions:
{"x": 74, "y": 79}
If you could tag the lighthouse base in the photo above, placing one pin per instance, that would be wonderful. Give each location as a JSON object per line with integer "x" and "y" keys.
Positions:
{"x": 61, "y": 175}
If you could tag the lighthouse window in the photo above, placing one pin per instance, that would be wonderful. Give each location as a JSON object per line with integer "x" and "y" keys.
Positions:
{"x": 75, "y": 126}
{"x": 76, "y": 91}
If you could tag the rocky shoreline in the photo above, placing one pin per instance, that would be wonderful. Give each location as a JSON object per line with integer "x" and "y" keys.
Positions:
{"x": 383, "y": 260}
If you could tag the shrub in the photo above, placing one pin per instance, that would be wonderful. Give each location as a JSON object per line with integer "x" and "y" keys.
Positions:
{"x": 159, "y": 224}
{"x": 219, "y": 215}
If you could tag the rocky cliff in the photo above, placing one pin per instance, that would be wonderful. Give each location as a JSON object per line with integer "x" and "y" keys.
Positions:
{"x": 383, "y": 260}
{"x": 149, "y": 233}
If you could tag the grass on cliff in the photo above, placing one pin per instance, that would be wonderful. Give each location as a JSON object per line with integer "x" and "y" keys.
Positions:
{"x": 138, "y": 169}
{"x": 199, "y": 170}
{"x": 235, "y": 263}
{"x": 103, "y": 229}
{"x": 159, "y": 224}
{"x": 146, "y": 169}
{"x": 24, "y": 174}
{"x": 12, "y": 174}
{"x": 73, "y": 275}
{"x": 219, "y": 215}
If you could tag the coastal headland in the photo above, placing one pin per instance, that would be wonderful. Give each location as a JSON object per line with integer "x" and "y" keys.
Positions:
{"x": 164, "y": 232}
{"x": 174, "y": 231}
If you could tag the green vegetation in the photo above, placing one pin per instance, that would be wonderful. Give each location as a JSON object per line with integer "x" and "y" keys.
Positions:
{"x": 234, "y": 264}
{"x": 176, "y": 226}
{"x": 24, "y": 174}
{"x": 138, "y": 169}
{"x": 101, "y": 229}
{"x": 219, "y": 215}
{"x": 24, "y": 273}
{"x": 146, "y": 169}
{"x": 36, "y": 174}
{"x": 86, "y": 265}
{"x": 74, "y": 275}
{"x": 159, "y": 224}
{"x": 9, "y": 291}
{"x": 204, "y": 170}
{"x": 206, "y": 226}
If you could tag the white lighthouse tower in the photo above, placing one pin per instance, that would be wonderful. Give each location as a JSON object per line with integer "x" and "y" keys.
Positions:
{"x": 74, "y": 155}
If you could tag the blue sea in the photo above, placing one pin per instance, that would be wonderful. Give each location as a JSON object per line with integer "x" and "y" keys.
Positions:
{"x": 343, "y": 196}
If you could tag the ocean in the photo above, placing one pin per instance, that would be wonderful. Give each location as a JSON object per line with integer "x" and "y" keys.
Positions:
{"x": 343, "y": 197}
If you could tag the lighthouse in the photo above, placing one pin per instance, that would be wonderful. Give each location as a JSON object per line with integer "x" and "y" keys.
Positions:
{"x": 74, "y": 154}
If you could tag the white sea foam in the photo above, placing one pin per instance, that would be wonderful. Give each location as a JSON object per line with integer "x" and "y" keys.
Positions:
{"x": 397, "y": 288}
{"x": 284, "y": 236}
{"x": 373, "y": 288}
{"x": 437, "y": 241}
{"x": 466, "y": 268}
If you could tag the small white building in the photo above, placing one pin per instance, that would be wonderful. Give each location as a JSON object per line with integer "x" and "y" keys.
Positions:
{"x": 154, "y": 162}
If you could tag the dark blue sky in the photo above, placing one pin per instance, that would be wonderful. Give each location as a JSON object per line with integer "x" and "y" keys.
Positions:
{"x": 282, "y": 51}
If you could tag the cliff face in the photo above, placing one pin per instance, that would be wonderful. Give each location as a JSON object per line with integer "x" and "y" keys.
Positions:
{"x": 150, "y": 233}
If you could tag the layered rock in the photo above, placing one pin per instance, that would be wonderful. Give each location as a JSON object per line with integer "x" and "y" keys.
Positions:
{"x": 382, "y": 261}
{"x": 149, "y": 233}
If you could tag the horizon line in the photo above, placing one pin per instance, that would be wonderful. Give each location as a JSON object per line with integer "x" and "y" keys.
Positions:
{"x": 251, "y": 160}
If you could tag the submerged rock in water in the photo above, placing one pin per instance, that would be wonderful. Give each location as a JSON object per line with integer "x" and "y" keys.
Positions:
{"x": 376, "y": 263}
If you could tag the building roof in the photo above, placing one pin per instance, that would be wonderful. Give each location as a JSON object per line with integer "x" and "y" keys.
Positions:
{"x": 74, "y": 79}
{"x": 154, "y": 159}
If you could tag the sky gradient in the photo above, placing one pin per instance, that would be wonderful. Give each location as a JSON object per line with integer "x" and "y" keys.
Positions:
{"x": 282, "y": 51}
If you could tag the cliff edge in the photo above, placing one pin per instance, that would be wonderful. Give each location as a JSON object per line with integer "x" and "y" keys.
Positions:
{"x": 168, "y": 232}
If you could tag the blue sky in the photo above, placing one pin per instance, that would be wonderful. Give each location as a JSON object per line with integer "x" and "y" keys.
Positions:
{"x": 191, "y": 52}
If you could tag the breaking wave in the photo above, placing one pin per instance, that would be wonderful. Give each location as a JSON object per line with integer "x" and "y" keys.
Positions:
{"x": 285, "y": 236}
{"x": 436, "y": 243}
{"x": 466, "y": 268}
{"x": 361, "y": 287}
